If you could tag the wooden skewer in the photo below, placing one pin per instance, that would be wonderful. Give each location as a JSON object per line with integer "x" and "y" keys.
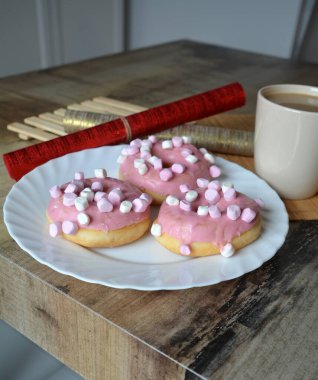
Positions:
{"x": 25, "y": 132}
{"x": 45, "y": 125}
{"x": 52, "y": 118}
{"x": 118, "y": 104}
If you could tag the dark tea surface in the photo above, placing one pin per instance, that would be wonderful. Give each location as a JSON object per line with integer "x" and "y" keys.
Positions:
{"x": 302, "y": 102}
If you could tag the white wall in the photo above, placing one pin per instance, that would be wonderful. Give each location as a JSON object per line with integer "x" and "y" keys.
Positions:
{"x": 261, "y": 26}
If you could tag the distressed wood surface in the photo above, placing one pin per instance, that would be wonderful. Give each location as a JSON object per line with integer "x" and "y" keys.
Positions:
{"x": 261, "y": 325}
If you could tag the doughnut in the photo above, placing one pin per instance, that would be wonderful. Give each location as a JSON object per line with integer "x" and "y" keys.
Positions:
{"x": 160, "y": 167}
{"x": 208, "y": 220}
{"x": 99, "y": 211}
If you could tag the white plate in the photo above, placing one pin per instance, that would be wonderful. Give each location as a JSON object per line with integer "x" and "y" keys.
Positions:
{"x": 142, "y": 265}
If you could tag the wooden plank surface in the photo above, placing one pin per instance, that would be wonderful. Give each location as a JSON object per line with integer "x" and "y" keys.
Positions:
{"x": 261, "y": 325}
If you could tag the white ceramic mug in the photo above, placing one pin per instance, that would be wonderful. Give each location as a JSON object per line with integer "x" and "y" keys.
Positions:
{"x": 286, "y": 143}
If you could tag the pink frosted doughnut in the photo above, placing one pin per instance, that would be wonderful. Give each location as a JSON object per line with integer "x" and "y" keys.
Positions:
{"x": 169, "y": 168}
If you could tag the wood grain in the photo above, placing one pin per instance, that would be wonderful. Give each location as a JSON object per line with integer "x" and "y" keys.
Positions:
{"x": 259, "y": 326}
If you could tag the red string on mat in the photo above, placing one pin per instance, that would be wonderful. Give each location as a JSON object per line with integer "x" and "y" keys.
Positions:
{"x": 20, "y": 162}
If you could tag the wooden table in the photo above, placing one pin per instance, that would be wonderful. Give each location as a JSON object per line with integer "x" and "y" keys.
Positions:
{"x": 262, "y": 325}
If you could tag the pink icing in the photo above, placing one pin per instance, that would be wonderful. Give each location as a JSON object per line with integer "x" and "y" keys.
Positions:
{"x": 188, "y": 227}
{"x": 152, "y": 182}
{"x": 105, "y": 221}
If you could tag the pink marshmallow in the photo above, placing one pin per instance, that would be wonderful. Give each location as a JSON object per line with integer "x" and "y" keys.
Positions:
{"x": 71, "y": 188}
{"x": 104, "y": 205}
{"x": 214, "y": 185}
{"x": 157, "y": 164}
{"x": 99, "y": 195}
{"x": 177, "y": 141}
{"x": 184, "y": 188}
{"x": 185, "y": 250}
{"x": 233, "y": 212}
{"x": 178, "y": 168}
{"x": 165, "y": 175}
{"x": 115, "y": 196}
{"x": 212, "y": 196}
{"x": 185, "y": 152}
{"x": 146, "y": 197}
{"x": 130, "y": 150}
{"x": 97, "y": 186}
{"x": 185, "y": 205}
{"x": 139, "y": 205}
{"x": 153, "y": 139}
{"x": 202, "y": 183}
{"x": 79, "y": 175}
{"x": 214, "y": 212}
{"x": 69, "y": 199}
{"x": 69, "y": 228}
{"x": 248, "y": 215}
{"x": 55, "y": 229}
{"x": 230, "y": 194}
{"x": 215, "y": 171}
{"x": 145, "y": 155}
{"x": 55, "y": 191}
{"x": 136, "y": 143}
{"x": 203, "y": 150}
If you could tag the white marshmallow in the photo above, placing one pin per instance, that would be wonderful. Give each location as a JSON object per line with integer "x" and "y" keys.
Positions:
{"x": 226, "y": 186}
{"x": 191, "y": 195}
{"x": 172, "y": 201}
{"x": 100, "y": 173}
{"x": 83, "y": 219}
{"x": 203, "y": 210}
{"x": 156, "y": 229}
{"x": 186, "y": 139}
{"x": 142, "y": 170}
{"x": 192, "y": 158}
{"x": 203, "y": 151}
{"x": 81, "y": 203}
{"x": 209, "y": 157}
{"x": 167, "y": 144}
{"x": 87, "y": 193}
{"x": 145, "y": 148}
{"x": 138, "y": 162}
{"x": 152, "y": 160}
{"x": 125, "y": 207}
{"x": 228, "y": 250}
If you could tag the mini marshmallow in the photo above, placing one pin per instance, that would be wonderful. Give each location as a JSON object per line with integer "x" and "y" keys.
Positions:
{"x": 69, "y": 199}
{"x": 146, "y": 197}
{"x": 209, "y": 157}
{"x": 172, "y": 201}
{"x": 203, "y": 210}
{"x": 87, "y": 193}
{"x": 212, "y": 196}
{"x": 165, "y": 174}
{"x": 177, "y": 141}
{"x": 146, "y": 142}
{"x": 233, "y": 212}
{"x": 70, "y": 188}
{"x": 192, "y": 158}
{"x": 100, "y": 173}
{"x": 157, "y": 164}
{"x": 99, "y": 195}
{"x": 167, "y": 144}
{"x": 203, "y": 151}
{"x": 139, "y": 205}
{"x": 152, "y": 160}
{"x": 55, "y": 229}
{"x": 230, "y": 194}
{"x": 191, "y": 195}
{"x": 69, "y": 228}
{"x": 130, "y": 151}
{"x": 138, "y": 162}
{"x": 79, "y": 175}
{"x": 125, "y": 207}
{"x": 55, "y": 191}
{"x": 145, "y": 155}
{"x": 185, "y": 205}
{"x": 143, "y": 169}
{"x": 153, "y": 139}
{"x": 145, "y": 148}
{"x": 185, "y": 250}
{"x": 260, "y": 202}
{"x": 215, "y": 171}
{"x": 104, "y": 205}
{"x": 228, "y": 250}
{"x": 202, "y": 183}
{"x": 136, "y": 143}
{"x": 214, "y": 212}
{"x": 81, "y": 203}
{"x": 97, "y": 186}
{"x": 121, "y": 158}
{"x": 185, "y": 152}
{"x": 214, "y": 185}
{"x": 83, "y": 219}
{"x": 187, "y": 139}
{"x": 248, "y": 215}
{"x": 184, "y": 188}
{"x": 226, "y": 186}
{"x": 115, "y": 196}
{"x": 156, "y": 230}
{"x": 178, "y": 168}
